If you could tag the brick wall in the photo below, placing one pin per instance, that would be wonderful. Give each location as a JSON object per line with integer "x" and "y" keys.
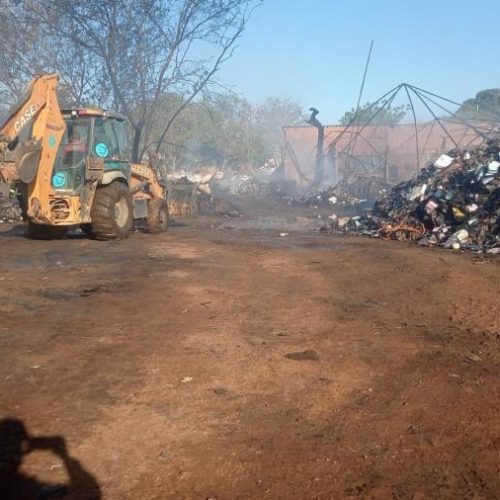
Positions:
{"x": 385, "y": 151}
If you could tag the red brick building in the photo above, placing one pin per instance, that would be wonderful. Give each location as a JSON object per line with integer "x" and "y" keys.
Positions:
{"x": 379, "y": 150}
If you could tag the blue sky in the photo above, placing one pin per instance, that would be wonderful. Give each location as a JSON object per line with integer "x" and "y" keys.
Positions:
{"x": 315, "y": 51}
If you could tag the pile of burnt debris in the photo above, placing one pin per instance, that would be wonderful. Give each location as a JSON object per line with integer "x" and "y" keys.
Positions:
{"x": 453, "y": 203}
{"x": 193, "y": 195}
{"x": 322, "y": 198}
{"x": 10, "y": 211}
{"x": 361, "y": 193}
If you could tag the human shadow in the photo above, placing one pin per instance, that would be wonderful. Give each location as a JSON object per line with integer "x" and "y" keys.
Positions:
{"x": 15, "y": 444}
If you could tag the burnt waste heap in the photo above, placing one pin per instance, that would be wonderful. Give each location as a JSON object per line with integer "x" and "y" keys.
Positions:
{"x": 10, "y": 211}
{"x": 452, "y": 203}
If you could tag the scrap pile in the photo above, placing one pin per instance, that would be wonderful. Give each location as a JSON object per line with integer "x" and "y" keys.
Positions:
{"x": 363, "y": 190}
{"x": 191, "y": 193}
{"x": 244, "y": 185}
{"x": 322, "y": 198}
{"x": 208, "y": 204}
{"x": 258, "y": 183}
{"x": 453, "y": 203}
{"x": 10, "y": 211}
{"x": 182, "y": 197}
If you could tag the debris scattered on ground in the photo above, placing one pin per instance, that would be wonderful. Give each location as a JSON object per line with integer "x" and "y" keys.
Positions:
{"x": 220, "y": 391}
{"x": 472, "y": 358}
{"x": 308, "y": 355}
{"x": 192, "y": 194}
{"x": 327, "y": 197}
{"x": 182, "y": 197}
{"x": 365, "y": 189}
{"x": 245, "y": 185}
{"x": 257, "y": 183}
{"x": 10, "y": 211}
{"x": 59, "y": 294}
{"x": 453, "y": 203}
{"x": 214, "y": 205}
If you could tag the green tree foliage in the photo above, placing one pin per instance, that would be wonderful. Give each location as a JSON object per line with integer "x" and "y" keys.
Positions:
{"x": 376, "y": 114}
{"x": 486, "y": 105}
{"x": 227, "y": 131}
{"x": 274, "y": 114}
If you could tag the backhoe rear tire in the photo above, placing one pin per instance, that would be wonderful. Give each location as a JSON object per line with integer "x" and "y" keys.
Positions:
{"x": 43, "y": 232}
{"x": 112, "y": 212}
{"x": 157, "y": 221}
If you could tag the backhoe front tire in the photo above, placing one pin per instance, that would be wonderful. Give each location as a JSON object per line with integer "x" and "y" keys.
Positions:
{"x": 43, "y": 232}
{"x": 112, "y": 212}
{"x": 157, "y": 220}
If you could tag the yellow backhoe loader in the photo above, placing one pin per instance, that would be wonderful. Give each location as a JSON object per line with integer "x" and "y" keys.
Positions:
{"x": 72, "y": 169}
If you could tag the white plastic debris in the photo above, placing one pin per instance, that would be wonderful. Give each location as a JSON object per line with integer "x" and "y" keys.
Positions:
{"x": 493, "y": 166}
{"x": 333, "y": 200}
{"x": 342, "y": 221}
{"x": 462, "y": 235}
{"x": 443, "y": 161}
{"x": 417, "y": 192}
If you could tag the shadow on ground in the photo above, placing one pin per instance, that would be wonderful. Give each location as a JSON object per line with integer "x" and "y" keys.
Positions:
{"x": 16, "y": 444}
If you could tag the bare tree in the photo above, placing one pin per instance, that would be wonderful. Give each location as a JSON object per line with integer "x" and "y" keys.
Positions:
{"x": 30, "y": 48}
{"x": 18, "y": 61}
{"x": 130, "y": 53}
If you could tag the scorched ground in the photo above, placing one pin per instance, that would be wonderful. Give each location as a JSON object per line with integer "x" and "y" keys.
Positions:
{"x": 210, "y": 362}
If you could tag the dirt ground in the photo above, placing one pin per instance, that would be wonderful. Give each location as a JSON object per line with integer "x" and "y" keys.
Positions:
{"x": 220, "y": 361}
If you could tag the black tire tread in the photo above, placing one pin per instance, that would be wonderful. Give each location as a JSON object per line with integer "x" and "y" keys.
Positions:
{"x": 154, "y": 220}
{"x": 104, "y": 226}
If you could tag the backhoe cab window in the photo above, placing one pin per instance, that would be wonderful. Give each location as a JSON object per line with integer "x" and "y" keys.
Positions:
{"x": 110, "y": 139}
{"x": 69, "y": 170}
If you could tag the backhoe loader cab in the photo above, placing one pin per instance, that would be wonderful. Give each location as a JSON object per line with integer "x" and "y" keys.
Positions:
{"x": 91, "y": 137}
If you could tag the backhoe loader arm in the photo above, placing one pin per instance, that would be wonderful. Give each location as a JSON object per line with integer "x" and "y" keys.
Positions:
{"x": 38, "y": 119}
{"x": 36, "y": 98}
